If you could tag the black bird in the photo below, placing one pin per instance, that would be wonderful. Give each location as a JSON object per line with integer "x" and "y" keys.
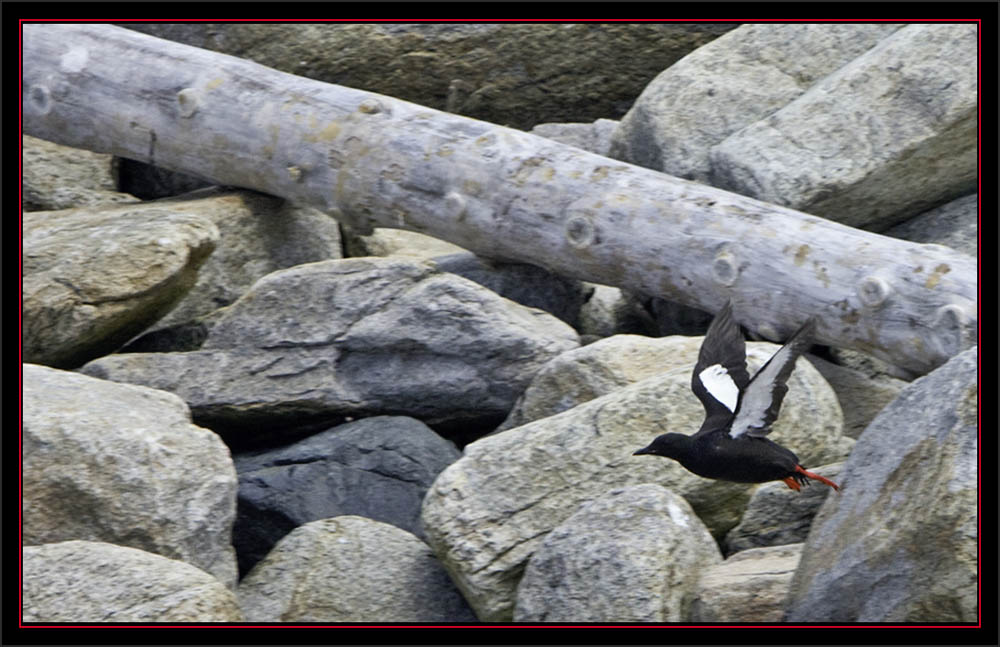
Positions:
{"x": 739, "y": 411}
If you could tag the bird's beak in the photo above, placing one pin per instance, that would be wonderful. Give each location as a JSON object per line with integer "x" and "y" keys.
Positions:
{"x": 644, "y": 450}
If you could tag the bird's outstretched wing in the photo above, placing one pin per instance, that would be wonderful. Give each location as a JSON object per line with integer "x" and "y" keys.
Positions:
{"x": 761, "y": 400}
{"x": 720, "y": 374}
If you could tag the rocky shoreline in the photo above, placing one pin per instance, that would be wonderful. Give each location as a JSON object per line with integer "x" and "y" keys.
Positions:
{"x": 236, "y": 409}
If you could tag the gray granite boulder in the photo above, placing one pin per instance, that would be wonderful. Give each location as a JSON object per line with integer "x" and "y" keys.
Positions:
{"x": 738, "y": 78}
{"x": 378, "y": 468}
{"x": 351, "y": 569}
{"x": 489, "y": 511}
{"x": 356, "y": 337}
{"x": 95, "y": 277}
{"x": 123, "y": 464}
{"x": 885, "y": 137}
{"x": 899, "y": 544}
{"x": 93, "y": 582}
{"x": 632, "y": 555}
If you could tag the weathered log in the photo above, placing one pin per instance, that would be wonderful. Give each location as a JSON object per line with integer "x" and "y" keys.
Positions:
{"x": 372, "y": 160}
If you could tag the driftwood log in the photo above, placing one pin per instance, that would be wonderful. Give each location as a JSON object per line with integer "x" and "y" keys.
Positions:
{"x": 371, "y": 160}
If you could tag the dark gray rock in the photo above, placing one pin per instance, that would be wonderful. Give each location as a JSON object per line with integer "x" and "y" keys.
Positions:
{"x": 356, "y": 337}
{"x": 899, "y": 544}
{"x": 379, "y": 468}
{"x": 528, "y": 285}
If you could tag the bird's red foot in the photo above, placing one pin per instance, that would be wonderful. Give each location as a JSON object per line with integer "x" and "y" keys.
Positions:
{"x": 816, "y": 477}
{"x": 792, "y": 483}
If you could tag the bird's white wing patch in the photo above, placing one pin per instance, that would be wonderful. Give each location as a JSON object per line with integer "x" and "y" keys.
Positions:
{"x": 720, "y": 385}
{"x": 757, "y": 398}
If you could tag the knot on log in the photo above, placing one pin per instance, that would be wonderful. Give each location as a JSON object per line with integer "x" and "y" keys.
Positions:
{"x": 456, "y": 206}
{"x": 873, "y": 291}
{"x": 188, "y": 100}
{"x": 949, "y": 327}
{"x": 371, "y": 107}
{"x": 40, "y": 99}
{"x": 579, "y": 232}
{"x": 725, "y": 269}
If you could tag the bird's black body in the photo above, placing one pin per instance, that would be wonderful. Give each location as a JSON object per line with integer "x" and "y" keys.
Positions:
{"x": 717, "y": 456}
{"x": 739, "y": 411}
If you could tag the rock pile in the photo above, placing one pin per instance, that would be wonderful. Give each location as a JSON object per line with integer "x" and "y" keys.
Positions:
{"x": 226, "y": 419}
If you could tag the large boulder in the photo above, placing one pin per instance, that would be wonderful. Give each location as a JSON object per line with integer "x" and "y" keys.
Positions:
{"x": 730, "y": 83}
{"x": 356, "y": 337}
{"x": 123, "y": 464}
{"x": 899, "y": 543}
{"x": 351, "y": 569}
{"x": 887, "y": 136}
{"x": 96, "y": 277}
{"x": 489, "y": 511}
{"x": 632, "y": 555}
{"x": 378, "y": 467}
{"x": 88, "y": 581}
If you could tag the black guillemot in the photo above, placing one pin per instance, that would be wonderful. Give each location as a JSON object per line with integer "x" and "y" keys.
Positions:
{"x": 739, "y": 411}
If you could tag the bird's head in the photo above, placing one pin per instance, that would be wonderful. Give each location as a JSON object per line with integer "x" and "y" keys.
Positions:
{"x": 669, "y": 445}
